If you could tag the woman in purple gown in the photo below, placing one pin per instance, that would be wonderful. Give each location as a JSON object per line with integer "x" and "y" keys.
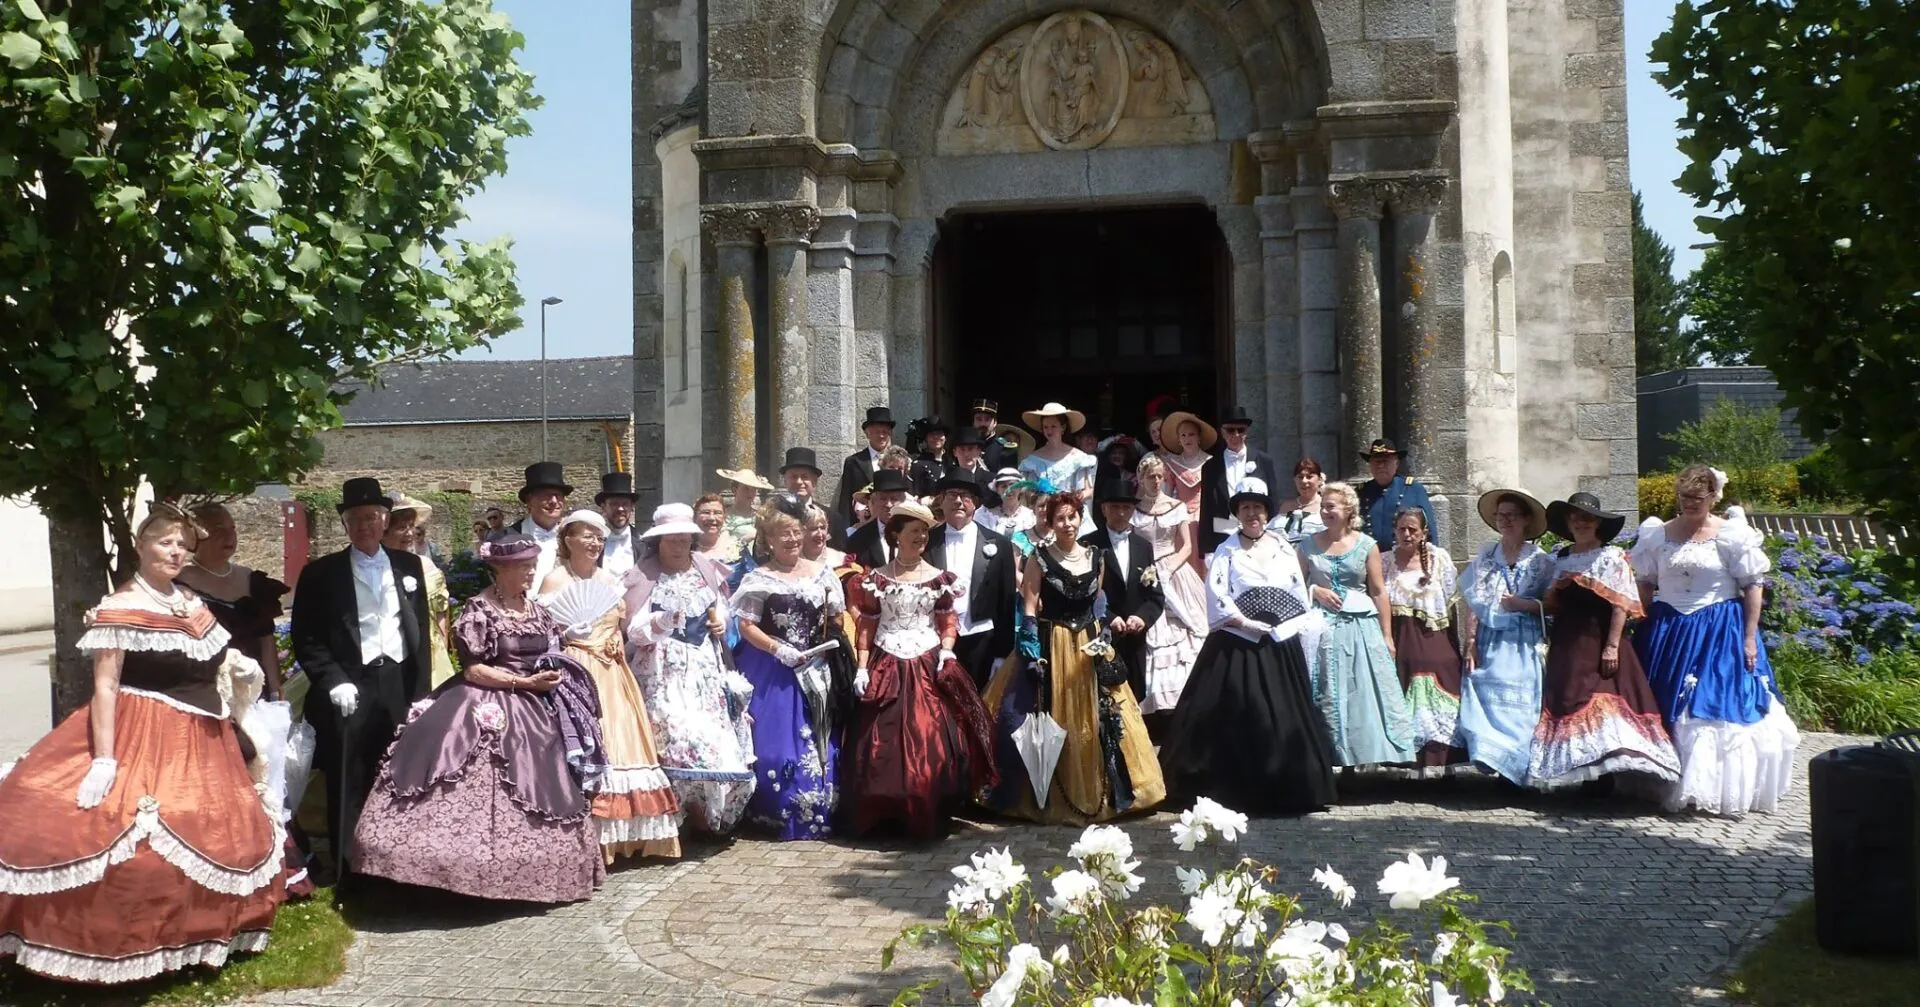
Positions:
{"x": 485, "y": 788}
{"x": 783, "y": 606}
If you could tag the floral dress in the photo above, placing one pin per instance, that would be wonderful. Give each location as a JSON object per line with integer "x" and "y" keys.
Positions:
{"x": 1355, "y": 681}
{"x": 1174, "y": 640}
{"x": 921, "y": 742}
{"x": 697, "y": 707}
{"x": 1500, "y": 697}
{"x": 795, "y": 741}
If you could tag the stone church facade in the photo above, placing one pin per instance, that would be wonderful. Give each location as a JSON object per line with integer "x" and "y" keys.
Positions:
{"x": 1352, "y": 217}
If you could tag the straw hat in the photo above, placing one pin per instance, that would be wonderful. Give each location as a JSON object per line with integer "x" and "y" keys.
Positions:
{"x": 1170, "y": 432}
{"x": 1536, "y": 518}
{"x": 915, "y": 510}
{"x": 1075, "y": 418}
{"x": 1023, "y": 442}
{"x": 422, "y": 510}
{"x": 744, "y": 477}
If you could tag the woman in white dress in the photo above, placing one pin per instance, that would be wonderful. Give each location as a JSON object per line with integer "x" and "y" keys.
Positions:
{"x": 1065, "y": 468}
{"x": 1174, "y": 640}
{"x": 1702, "y": 581}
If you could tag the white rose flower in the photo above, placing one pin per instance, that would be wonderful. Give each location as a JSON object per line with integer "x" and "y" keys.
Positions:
{"x": 1335, "y": 885}
{"x": 1442, "y": 997}
{"x": 1411, "y": 882}
{"x": 1443, "y": 945}
{"x": 1075, "y": 893}
{"x": 1191, "y": 880}
{"x": 1023, "y": 960}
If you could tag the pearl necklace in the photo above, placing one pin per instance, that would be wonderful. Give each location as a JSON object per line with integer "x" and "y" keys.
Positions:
{"x": 175, "y": 602}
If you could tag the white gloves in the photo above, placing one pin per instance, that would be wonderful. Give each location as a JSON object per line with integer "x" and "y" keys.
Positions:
{"x": 947, "y": 655}
{"x": 1284, "y": 631}
{"x": 99, "y": 780}
{"x": 789, "y": 656}
{"x": 737, "y": 684}
{"x": 663, "y": 622}
{"x": 860, "y": 681}
{"x": 346, "y": 698}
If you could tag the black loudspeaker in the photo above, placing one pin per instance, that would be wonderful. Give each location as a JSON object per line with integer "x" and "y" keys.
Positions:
{"x": 1866, "y": 851}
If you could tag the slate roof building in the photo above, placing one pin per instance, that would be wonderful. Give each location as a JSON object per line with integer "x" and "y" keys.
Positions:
{"x": 1671, "y": 399}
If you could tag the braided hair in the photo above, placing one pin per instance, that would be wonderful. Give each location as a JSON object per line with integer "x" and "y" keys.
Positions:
{"x": 1426, "y": 541}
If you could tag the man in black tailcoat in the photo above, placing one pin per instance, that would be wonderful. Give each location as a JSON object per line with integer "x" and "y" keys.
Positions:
{"x": 857, "y": 470}
{"x": 983, "y": 560}
{"x": 1236, "y": 460}
{"x": 868, "y": 543}
{"x": 360, "y": 635}
{"x": 1134, "y": 597}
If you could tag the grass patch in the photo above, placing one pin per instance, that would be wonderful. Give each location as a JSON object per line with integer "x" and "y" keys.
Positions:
{"x": 1792, "y": 970}
{"x": 308, "y": 949}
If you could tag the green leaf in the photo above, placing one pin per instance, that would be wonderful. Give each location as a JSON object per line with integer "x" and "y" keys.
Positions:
{"x": 262, "y": 195}
{"x": 306, "y": 260}
{"x": 106, "y": 378}
{"x": 91, "y": 167}
{"x": 19, "y": 49}
{"x": 29, "y": 10}
{"x": 254, "y": 394}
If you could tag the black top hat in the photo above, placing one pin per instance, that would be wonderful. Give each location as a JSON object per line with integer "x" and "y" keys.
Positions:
{"x": 1588, "y": 504}
{"x": 878, "y": 415}
{"x": 968, "y": 436}
{"x": 891, "y": 481}
{"x": 361, "y": 492}
{"x": 1235, "y": 416}
{"x": 544, "y": 476}
{"x": 988, "y": 406}
{"x": 934, "y": 425}
{"x": 615, "y": 484}
{"x": 1115, "y": 489}
{"x": 956, "y": 481}
{"x": 1380, "y": 448}
{"x": 800, "y": 458}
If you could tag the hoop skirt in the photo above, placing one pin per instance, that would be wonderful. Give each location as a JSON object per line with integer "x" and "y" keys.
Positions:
{"x": 635, "y": 811}
{"x": 1355, "y": 681}
{"x": 181, "y": 864}
{"x": 1174, "y": 640}
{"x": 1247, "y": 733}
{"x": 796, "y": 744}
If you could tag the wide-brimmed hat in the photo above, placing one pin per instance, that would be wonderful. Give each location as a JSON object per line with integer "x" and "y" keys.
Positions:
{"x": 956, "y": 481}
{"x": 1126, "y": 441}
{"x": 890, "y": 481}
{"x": 1074, "y": 417}
{"x": 615, "y": 484}
{"x": 590, "y": 518}
{"x": 422, "y": 510}
{"x": 878, "y": 416}
{"x": 1381, "y": 447}
{"x": 671, "y": 519}
{"x": 988, "y": 406}
{"x": 1236, "y": 415}
{"x": 1537, "y": 513}
{"x": 744, "y": 477}
{"x": 1005, "y": 475}
{"x": 507, "y": 546}
{"x": 1588, "y": 504}
{"x": 544, "y": 476}
{"x": 1250, "y": 488}
{"x": 1115, "y": 489}
{"x": 800, "y": 458}
{"x": 1023, "y": 442}
{"x": 361, "y": 492}
{"x": 1170, "y": 432}
{"x": 915, "y": 510}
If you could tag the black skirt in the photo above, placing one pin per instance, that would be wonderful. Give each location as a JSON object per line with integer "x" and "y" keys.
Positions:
{"x": 1247, "y": 732}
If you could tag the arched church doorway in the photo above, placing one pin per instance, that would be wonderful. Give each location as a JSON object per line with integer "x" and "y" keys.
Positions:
{"x": 1104, "y": 310}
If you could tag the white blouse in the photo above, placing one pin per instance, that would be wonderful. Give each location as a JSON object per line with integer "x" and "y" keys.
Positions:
{"x": 1239, "y": 566}
{"x": 1692, "y": 575}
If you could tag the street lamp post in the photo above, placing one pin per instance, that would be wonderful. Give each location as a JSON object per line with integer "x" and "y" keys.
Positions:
{"x": 544, "y": 302}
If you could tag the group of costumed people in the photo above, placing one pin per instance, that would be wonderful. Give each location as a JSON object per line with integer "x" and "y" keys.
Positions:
{"x": 1049, "y": 632}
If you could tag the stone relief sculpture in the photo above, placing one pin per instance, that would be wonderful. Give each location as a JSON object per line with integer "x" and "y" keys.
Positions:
{"x": 1073, "y": 81}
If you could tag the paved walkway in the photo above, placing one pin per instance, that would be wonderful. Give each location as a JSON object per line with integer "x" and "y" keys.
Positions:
{"x": 26, "y": 708}
{"x": 1613, "y": 905}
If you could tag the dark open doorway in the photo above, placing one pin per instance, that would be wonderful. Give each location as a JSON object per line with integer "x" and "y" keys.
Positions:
{"x": 1103, "y": 310}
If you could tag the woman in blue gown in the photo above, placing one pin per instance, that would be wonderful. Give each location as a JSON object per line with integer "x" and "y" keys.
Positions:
{"x": 1503, "y": 587}
{"x": 1355, "y": 681}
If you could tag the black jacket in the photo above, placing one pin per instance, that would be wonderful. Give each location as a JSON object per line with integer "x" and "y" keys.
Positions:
{"x": 992, "y": 591}
{"x": 855, "y": 473}
{"x": 326, "y": 623}
{"x": 865, "y": 545}
{"x": 1136, "y": 593}
{"x": 1214, "y": 492}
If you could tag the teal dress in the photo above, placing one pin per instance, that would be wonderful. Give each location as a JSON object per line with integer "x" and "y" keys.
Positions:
{"x": 1355, "y": 681}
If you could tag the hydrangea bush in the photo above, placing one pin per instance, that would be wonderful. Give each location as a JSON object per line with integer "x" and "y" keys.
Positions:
{"x": 1836, "y": 603}
{"x": 1235, "y": 942}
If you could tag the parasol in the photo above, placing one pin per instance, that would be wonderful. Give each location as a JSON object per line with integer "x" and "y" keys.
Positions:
{"x": 1039, "y": 739}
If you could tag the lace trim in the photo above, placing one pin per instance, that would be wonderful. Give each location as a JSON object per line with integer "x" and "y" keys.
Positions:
{"x": 637, "y": 830}
{"x": 1603, "y": 737}
{"x": 632, "y": 780}
{"x": 147, "y": 825}
{"x": 132, "y": 968}
{"x": 1433, "y": 621}
{"x": 181, "y": 705}
{"x": 7, "y": 767}
{"x": 1613, "y": 595}
{"x": 102, "y": 637}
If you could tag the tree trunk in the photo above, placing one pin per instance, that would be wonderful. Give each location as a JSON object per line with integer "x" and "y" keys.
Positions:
{"x": 80, "y": 578}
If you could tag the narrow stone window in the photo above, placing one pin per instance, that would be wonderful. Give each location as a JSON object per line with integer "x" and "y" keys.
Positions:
{"x": 673, "y": 325}
{"x": 1506, "y": 336}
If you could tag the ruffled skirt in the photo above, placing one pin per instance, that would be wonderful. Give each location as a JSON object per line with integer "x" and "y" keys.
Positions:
{"x": 1591, "y": 724}
{"x": 1429, "y": 663}
{"x": 704, "y": 736}
{"x": 181, "y": 864}
{"x": 635, "y": 811}
{"x": 1174, "y": 640}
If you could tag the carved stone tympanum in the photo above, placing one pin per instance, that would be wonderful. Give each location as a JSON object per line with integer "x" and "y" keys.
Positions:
{"x": 1073, "y": 81}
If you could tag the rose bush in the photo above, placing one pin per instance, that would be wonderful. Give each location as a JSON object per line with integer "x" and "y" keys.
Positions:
{"x": 1237, "y": 942}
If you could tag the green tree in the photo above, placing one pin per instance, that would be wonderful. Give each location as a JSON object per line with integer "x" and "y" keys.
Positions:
{"x": 211, "y": 215}
{"x": 1658, "y": 343}
{"x": 1732, "y": 436}
{"x": 1718, "y": 304}
{"x": 1802, "y": 131}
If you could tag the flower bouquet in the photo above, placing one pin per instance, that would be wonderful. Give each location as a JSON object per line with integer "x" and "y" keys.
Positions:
{"x": 1236, "y": 943}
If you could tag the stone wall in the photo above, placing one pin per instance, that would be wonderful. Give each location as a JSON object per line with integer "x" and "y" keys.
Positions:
{"x": 492, "y": 456}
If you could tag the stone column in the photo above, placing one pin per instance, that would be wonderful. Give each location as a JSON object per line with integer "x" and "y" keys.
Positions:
{"x": 1357, "y": 203}
{"x": 1424, "y": 400}
{"x": 788, "y": 231}
{"x": 735, "y": 234}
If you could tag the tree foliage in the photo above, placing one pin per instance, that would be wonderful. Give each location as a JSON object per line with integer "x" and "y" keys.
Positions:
{"x": 1802, "y": 131}
{"x": 1721, "y": 308}
{"x": 1658, "y": 343}
{"x": 211, "y": 214}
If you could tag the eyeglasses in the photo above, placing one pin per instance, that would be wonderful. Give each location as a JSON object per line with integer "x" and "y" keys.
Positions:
{"x": 1507, "y": 515}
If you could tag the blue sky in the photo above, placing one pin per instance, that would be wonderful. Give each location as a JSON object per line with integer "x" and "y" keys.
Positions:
{"x": 566, "y": 196}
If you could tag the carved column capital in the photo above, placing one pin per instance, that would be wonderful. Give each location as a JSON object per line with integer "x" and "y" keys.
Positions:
{"x": 1415, "y": 194}
{"x": 790, "y": 224}
{"x": 732, "y": 225}
{"x": 1356, "y": 197}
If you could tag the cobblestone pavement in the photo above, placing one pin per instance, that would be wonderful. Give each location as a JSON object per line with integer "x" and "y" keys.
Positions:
{"x": 1613, "y": 905}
